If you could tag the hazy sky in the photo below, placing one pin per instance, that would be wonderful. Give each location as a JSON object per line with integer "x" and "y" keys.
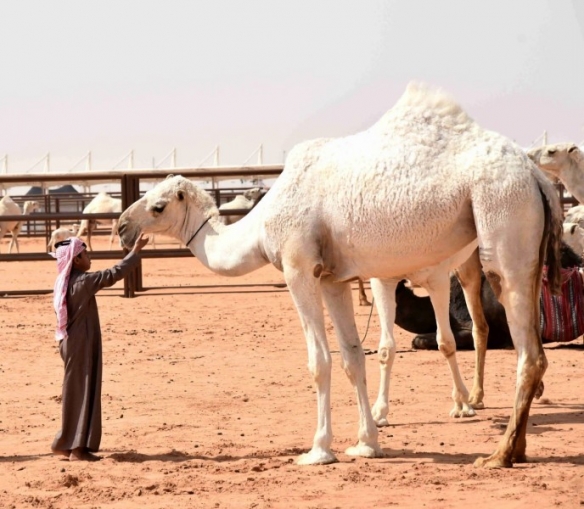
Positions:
{"x": 110, "y": 76}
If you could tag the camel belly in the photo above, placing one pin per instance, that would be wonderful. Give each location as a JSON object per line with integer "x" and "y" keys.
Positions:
{"x": 401, "y": 249}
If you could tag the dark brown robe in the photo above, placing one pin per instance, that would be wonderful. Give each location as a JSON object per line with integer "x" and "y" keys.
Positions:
{"x": 81, "y": 353}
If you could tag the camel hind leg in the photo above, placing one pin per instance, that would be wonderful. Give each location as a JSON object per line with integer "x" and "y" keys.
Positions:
{"x": 522, "y": 309}
{"x": 469, "y": 275}
{"x": 512, "y": 259}
{"x": 339, "y": 302}
{"x": 89, "y": 231}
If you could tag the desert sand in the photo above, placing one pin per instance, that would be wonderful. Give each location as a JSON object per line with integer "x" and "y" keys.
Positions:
{"x": 207, "y": 402}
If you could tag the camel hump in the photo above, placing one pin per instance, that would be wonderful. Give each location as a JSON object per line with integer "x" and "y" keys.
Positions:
{"x": 433, "y": 105}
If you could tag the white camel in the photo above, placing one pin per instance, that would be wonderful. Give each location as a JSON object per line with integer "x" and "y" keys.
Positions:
{"x": 565, "y": 162}
{"x": 61, "y": 234}
{"x": 101, "y": 204}
{"x": 8, "y": 207}
{"x": 575, "y": 215}
{"x": 349, "y": 207}
{"x": 573, "y": 236}
{"x": 245, "y": 201}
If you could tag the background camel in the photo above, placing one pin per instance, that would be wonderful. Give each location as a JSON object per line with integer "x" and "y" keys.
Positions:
{"x": 427, "y": 158}
{"x": 245, "y": 201}
{"x": 415, "y": 313}
{"x": 573, "y": 236}
{"x": 60, "y": 234}
{"x": 102, "y": 203}
{"x": 8, "y": 207}
{"x": 565, "y": 162}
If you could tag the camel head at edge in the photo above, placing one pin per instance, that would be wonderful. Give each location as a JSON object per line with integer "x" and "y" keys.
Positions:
{"x": 554, "y": 158}
{"x": 164, "y": 210}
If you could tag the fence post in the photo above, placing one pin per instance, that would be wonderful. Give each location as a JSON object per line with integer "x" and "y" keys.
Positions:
{"x": 130, "y": 279}
{"x": 131, "y": 194}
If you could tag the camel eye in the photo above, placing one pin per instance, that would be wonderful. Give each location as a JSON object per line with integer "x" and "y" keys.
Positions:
{"x": 159, "y": 209}
{"x": 552, "y": 152}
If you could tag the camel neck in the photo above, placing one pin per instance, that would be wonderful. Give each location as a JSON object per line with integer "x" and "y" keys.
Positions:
{"x": 231, "y": 250}
{"x": 197, "y": 231}
{"x": 573, "y": 180}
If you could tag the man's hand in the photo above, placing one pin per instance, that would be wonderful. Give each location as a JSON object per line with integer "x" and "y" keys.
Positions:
{"x": 141, "y": 241}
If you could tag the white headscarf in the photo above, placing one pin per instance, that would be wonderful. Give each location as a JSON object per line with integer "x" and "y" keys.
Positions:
{"x": 65, "y": 253}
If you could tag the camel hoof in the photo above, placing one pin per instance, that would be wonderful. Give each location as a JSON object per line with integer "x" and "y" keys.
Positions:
{"x": 365, "y": 451}
{"x": 477, "y": 405}
{"x": 379, "y": 415}
{"x": 425, "y": 342}
{"x": 520, "y": 458}
{"x": 493, "y": 461}
{"x": 464, "y": 411}
{"x": 382, "y": 422}
{"x": 317, "y": 457}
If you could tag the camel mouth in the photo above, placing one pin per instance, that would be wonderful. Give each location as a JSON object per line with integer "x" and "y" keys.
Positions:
{"x": 127, "y": 238}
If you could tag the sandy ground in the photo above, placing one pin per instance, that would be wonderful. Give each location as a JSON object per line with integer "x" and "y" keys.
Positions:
{"x": 207, "y": 402}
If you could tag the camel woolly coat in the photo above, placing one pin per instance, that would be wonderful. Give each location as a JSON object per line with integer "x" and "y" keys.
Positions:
{"x": 81, "y": 354}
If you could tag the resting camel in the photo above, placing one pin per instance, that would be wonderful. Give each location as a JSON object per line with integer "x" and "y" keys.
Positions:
{"x": 415, "y": 313}
{"x": 573, "y": 235}
{"x": 245, "y": 201}
{"x": 60, "y": 234}
{"x": 349, "y": 207}
{"x": 565, "y": 162}
{"x": 102, "y": 203}
{"x": 8, "y": 207}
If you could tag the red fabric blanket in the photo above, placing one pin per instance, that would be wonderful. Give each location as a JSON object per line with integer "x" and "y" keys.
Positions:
{"x": 562, "y": 316}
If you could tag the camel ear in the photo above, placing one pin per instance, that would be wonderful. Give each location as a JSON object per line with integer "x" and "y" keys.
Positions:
{"x": 534, "y": 154}
{"x": 180, "y": 195}
{"x": 169, "y": 176}
{"x": 575, "y": 154}
{"x": 573, "y": 229}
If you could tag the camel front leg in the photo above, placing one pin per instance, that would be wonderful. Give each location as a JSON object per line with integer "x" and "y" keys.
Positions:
{"x": 113, "y": 233}
{"x": 305, "y": 291}
{"x": 14, "y": 242}
{"x": 438, "y": 288}
{"x": 469, "y": 275}
{"x": 339, "y": 302}
{"x": 362, "y": 295}
{"x": 384, "y": 297}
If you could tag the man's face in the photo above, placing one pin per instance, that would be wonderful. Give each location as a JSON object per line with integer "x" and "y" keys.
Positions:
{"x": 82, "y": 261}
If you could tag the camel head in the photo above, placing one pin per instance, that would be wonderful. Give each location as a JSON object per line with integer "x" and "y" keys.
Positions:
{"x": 30, "y": 206}
{"x": 253, "y": 194}
{"x": 165, "y": 209}
{"x": 553, "y": 159}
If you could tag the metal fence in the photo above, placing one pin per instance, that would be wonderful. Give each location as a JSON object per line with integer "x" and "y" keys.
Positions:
{"x": 129, "y": 180}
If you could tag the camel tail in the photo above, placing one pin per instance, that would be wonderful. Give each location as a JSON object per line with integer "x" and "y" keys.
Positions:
{"x": 549, "y": 251}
